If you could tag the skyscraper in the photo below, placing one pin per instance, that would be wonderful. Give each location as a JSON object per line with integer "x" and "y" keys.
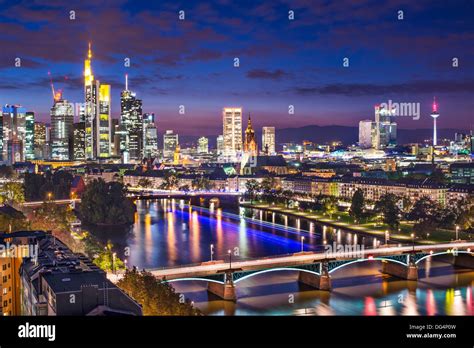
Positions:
{"x": 62, "y": 131}
{"x": 366, "y": 133}
{"x": 132, "y": 119}
{"x": 170, "y": 144}
{"x": 150, "y": 136}
{"x": 268, "y": 140}
{"x": 14, "y": 133}
{"x": 250, "y": 144}
{"x": 232, "y": 132}
{"x": 40, "y": 140}
{"x": 435, "y": 115}
{"x": 79, "y": 141}
{"x": 96, "y": 113}
{"x": 30, "y": 136}
{"x": 385, "y": 129}
{"x": 220, "y": 144}
{"x": 203, "y": 145}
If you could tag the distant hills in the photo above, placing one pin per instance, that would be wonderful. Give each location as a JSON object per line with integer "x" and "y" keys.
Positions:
{"x": 326, "y": 134}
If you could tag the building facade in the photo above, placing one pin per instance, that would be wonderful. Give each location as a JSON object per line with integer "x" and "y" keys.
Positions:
{"x": 62, "y": 130}
{"x": 232, "y": 133}
{"x": 268, "y": 141}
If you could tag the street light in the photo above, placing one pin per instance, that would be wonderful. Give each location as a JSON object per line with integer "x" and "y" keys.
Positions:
{"x": 230, "y": 258}
{"x": 113, "y": 262}
{"x": 457, "y": 232}
{"x": 49, "y": 195}
{"x": 302, "y": 243}
{"x": 387, "y": 236}
{"x": 212, "y": 251}
{"x": 413, "y": 240}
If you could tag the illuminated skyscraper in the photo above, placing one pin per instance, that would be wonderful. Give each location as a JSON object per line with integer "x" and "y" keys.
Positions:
{"x": 150, "y": 136}
{"x": 79, "y": 141}
{"x": 268, "y": 140}
{"x": 385, "y": 129}
{"x": 96, "y": 114}
{"x": 30, "y": 136}
{"x": 435, "y": 115}
{"x": 40, "y": 140}
{"x": 203, "y": 145}
{"x": 14, "y": 133}
{"x": 132, "y": 119}
{"x": 232, "y": 132}
{"x": 170, "y": 144}
{"x": 220, "y": 144}
{"x": 62, "y": 131}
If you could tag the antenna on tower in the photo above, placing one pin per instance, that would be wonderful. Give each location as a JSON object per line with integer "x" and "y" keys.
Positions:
{"x": 52, "y": 85}
{"x": 126, "y": 82}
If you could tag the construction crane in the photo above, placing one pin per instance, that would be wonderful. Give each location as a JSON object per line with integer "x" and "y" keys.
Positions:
{"x": 57, "y": 95}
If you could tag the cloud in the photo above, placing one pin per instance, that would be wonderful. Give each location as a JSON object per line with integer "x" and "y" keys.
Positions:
{"x": 266, "y": 74}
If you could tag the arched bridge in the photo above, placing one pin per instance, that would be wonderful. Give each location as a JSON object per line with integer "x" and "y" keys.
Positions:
{"x": 315, "y": 269}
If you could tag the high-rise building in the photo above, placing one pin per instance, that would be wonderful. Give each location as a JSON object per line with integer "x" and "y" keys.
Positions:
{"x": 30, "y": 136}
{"x": 170, "y": 144}
{"x": 232, "y": 132}
{"x": 268, "y": 141}
{"x": 132, "y": 119}
{"x": 79, "y": 141}
{"x": 14, "y": 133}
{"x": 62, "y": 130}
{"x": 385, "y": 129}
{"x": 220, "y": 144}
{"x": 250, "y": 144}
{"x": 435, "y": 115}
{"x": 366, "y": 133}
{"x": 40, "y": 140}
{"x": 203, "y": 145}
{"x": 150, "y": 136}
{"x": 96, "y": 114}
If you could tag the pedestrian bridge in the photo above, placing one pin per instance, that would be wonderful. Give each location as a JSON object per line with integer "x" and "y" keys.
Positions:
{"x": 315, "y": 269}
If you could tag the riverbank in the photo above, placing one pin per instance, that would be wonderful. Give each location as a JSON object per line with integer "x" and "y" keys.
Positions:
{"x": 362, "y": 228}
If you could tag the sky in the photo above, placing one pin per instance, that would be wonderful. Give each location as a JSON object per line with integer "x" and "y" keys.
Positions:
{"x": 282, "y": 61}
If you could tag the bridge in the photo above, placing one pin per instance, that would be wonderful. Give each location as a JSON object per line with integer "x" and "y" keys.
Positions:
{"x": 315, "y": 269}
{"x": 33, "y": 204}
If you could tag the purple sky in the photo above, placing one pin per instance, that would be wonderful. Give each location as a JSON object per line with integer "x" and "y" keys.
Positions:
{"x": 282, "y": 62}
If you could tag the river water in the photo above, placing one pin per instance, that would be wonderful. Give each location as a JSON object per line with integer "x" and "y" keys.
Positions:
{"x": 169, "y": 233}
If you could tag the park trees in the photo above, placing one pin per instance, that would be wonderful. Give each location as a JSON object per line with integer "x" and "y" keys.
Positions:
{"x": 357, "y": 208}
{"x": 12, "y": 193}
{"x": 252, "y": 187}
{"x": 106, "y": 203}
{"x": 155, "y": 296}
{"x": 170, "y": 181}
{"x": 388, "y": 207}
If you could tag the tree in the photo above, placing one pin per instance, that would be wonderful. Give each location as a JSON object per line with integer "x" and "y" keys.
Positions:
{"x": 357, "y": 205}
{"x": 388, "y": 207}
{"x": 12, "y": 193}
{"x": 329, "y": 205}
{"x": 252, "y": 187}
{"x": 423, "y": 209}
{"x": 201, "y": 184}
{"x": 185, "y": 189}
{"x": 106, "y": 203}
{"x": 155, "y": 296}
{"x": 108, "y": 260}
{"x": 52, "y": 217}
{"x": 170, "y": 181}
{"x": 145, "y": 183}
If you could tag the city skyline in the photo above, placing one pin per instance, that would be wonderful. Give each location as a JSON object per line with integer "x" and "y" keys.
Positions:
{"x": 191, "y": 62}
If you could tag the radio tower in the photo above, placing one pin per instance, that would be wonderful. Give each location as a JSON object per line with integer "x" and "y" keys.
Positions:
{"x": 435, "y": 115}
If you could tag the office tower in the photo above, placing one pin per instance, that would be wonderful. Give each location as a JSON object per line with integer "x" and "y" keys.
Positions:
{"x": 220, "y": 144}
{"x": 131, "y": 117}
{"x": 232, "y": 132}
{"x": 114, "y": 126}
{"x": 96, "y": 114}
{"x": 434, "y": 115}
{"x": 62, "y": 131}
{"x": 39, "y": 140}
{"x": 30, "y": 136}
{"x": 14, "y": 133}
{"x": 203, "y": 145}
{"x": 170, "y": 144}
{"x": 79, "y": 141}
{"x": 250, "y": 144}
{"x": 150, "y": 136}
{"x": 120, "y": 143}
{"x": 366, "y": 130}
{"x": 385, "y": 130}
{"x": 268, "y": 140}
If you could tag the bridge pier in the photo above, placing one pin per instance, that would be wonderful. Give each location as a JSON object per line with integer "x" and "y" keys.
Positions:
{"x": 225, "y": 291}
{"x": 320, "y": 281}
{"x": 464, "y": 260}
{"x": 398, "y": 270}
